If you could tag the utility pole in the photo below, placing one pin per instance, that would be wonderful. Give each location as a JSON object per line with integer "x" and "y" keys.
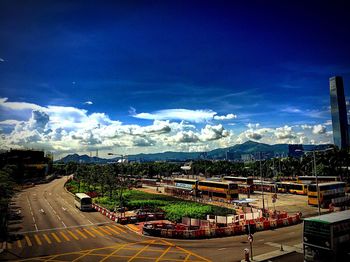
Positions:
{"x": 317, "y": 187}
{"x": 262, "y": 185}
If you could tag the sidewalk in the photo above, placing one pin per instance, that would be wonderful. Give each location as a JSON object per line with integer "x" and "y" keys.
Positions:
{"x": 286, "y": 250}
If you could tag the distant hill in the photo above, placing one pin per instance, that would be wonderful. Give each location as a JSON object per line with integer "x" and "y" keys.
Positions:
{"x": 234, "y": 152}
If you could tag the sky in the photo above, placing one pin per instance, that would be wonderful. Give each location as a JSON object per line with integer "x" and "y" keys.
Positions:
{"x": 129, "y": 77}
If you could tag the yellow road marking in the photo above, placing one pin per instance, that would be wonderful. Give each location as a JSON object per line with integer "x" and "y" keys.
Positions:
{"x": 108, "y": 233}
{"x": 187, "y": 257}
{"x": 116, "y": 232}
{"x": 143, "y": 249}
{"x": 64, "y": 236}
{"x": 56, "y": 237}
{"x": 72, "y": 234}
{"x": 47, "y": 239}
{"x": 87, "y": 231}
{"x": 19, "y": 243}
{"x": 163, "y": 254}
{"x": 28, "y": 240}
{"x": 98, "y": 232}
{"x": 115, "y": 226}
{"x": 38, "y": 240}
{"x": 111, "y": 254}
{"x": 186, "y": 251}
{"x": 80, "y": 233}
{"x": 8, "y": 245}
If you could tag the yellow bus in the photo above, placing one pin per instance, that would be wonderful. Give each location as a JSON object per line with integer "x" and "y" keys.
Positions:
{"x": 327, "y": 191}
{"x": 292, "y": 188}
{"x": 218, "y": 190}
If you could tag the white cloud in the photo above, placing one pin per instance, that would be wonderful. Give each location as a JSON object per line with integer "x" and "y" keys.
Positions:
{"x": 196, "y": 116}
{"x": 2, "y": 60}
{"x": 252, "y": 126}
{"x": 227, "y": 117}
{"x": 19, "y": 105}
{"x": 285, "y": 132}
{"x": 319, "y": 129}
{"x": 88, "y": 103}
{"x": 306, "y": 127}
{"x": 291, "y": 109}
{"x": 209, "y": 132}
{"x": 70, "y": 129}
{"x": 9, "y": 122}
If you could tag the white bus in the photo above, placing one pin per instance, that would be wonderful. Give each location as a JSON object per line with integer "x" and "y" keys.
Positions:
{"x": 83, "y": 201}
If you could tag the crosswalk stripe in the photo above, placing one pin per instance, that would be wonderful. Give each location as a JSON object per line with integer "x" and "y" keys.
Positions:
{"x": 98, "y": 232}
{"x": 72, "y": 234}
{"x": 116, "y": 232}
{"x": 19, "y": 243}
{"x": 28, "y": 240}
{"x": 37, "y": 239}
{"x": 56, "y": 237}
{"x": 64, "y": 236}
{"x": 8, "y": 245}
{"x": 115, "y": 226}
{"x": 47, "y": 239}
{"x": 87, "y": 231}
{"x": 80, "y": 233}
{"x": 108, "y": 233}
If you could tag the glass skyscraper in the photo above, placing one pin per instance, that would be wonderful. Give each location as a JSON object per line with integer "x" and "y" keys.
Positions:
{"x": 339, "y": 114}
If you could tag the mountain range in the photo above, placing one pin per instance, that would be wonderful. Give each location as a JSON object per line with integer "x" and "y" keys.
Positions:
{"x": 231, "y": 153}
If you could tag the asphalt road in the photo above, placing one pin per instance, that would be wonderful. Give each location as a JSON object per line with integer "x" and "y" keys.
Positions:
{"x": 48, "y": 224}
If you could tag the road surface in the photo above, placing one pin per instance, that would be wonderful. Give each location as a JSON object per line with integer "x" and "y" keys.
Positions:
{"x": 48, "y": 224}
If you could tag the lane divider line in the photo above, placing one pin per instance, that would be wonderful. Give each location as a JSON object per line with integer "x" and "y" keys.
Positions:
{"x": 105, "y": 231}
{"x": 56, "y": 237}
{"x": 87, "y": 231}
{"x": 19, "y": 243}
{"x": 29, "y": 243}
{"x": 72, "y": 234}
{"x": 64, "y": 236}
{"x": 37, "y": 239}
{"x": 111, "y": 229}
{"x": 81, "y": 233}
{"x": 48, "y": 240}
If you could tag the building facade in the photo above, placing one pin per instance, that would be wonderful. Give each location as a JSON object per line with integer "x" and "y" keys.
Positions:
{"x": 339, "y": 114}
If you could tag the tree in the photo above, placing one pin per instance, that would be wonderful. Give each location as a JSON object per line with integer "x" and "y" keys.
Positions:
{"x": 7, "y": 191}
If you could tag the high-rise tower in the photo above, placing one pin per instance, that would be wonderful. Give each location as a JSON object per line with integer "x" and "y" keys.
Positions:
{"x": 338, "y": 111}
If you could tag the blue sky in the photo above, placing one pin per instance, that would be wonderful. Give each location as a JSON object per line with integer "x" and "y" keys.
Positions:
{"x": 151, "y": 76}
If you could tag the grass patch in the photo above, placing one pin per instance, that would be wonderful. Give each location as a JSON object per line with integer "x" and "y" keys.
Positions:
{"x": 174, "y": 208}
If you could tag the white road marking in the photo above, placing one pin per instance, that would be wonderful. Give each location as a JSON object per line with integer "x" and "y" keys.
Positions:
{"x": 58, "y": 228}
{"x": 223, "y": 248}
{"x": 74, "y": 209}
{"x": 53, "y": 210}
{"x": 31, "y": 212}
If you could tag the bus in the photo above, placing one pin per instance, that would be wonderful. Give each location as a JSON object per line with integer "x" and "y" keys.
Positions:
{"x": 312, "y": 179}
{"x": 328, "y": 192}
{"x": 326, "y": 238}
{"x": 267, "y": 186}
{"x": 245, "y": 184}
{"x": 239, "y": 179}
{"x": 292, "y": 188}
{"x": 82, "y": 201}
{"x": 218, "y": 190}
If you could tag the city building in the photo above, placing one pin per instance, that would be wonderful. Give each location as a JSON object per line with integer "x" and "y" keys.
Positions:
{"x": 339, "y": 114}
{"x": 27, "y": 163}
{"x": 295, "y": 150}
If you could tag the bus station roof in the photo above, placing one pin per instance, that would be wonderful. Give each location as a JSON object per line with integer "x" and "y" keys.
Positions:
{"x": 331, "y": 218}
